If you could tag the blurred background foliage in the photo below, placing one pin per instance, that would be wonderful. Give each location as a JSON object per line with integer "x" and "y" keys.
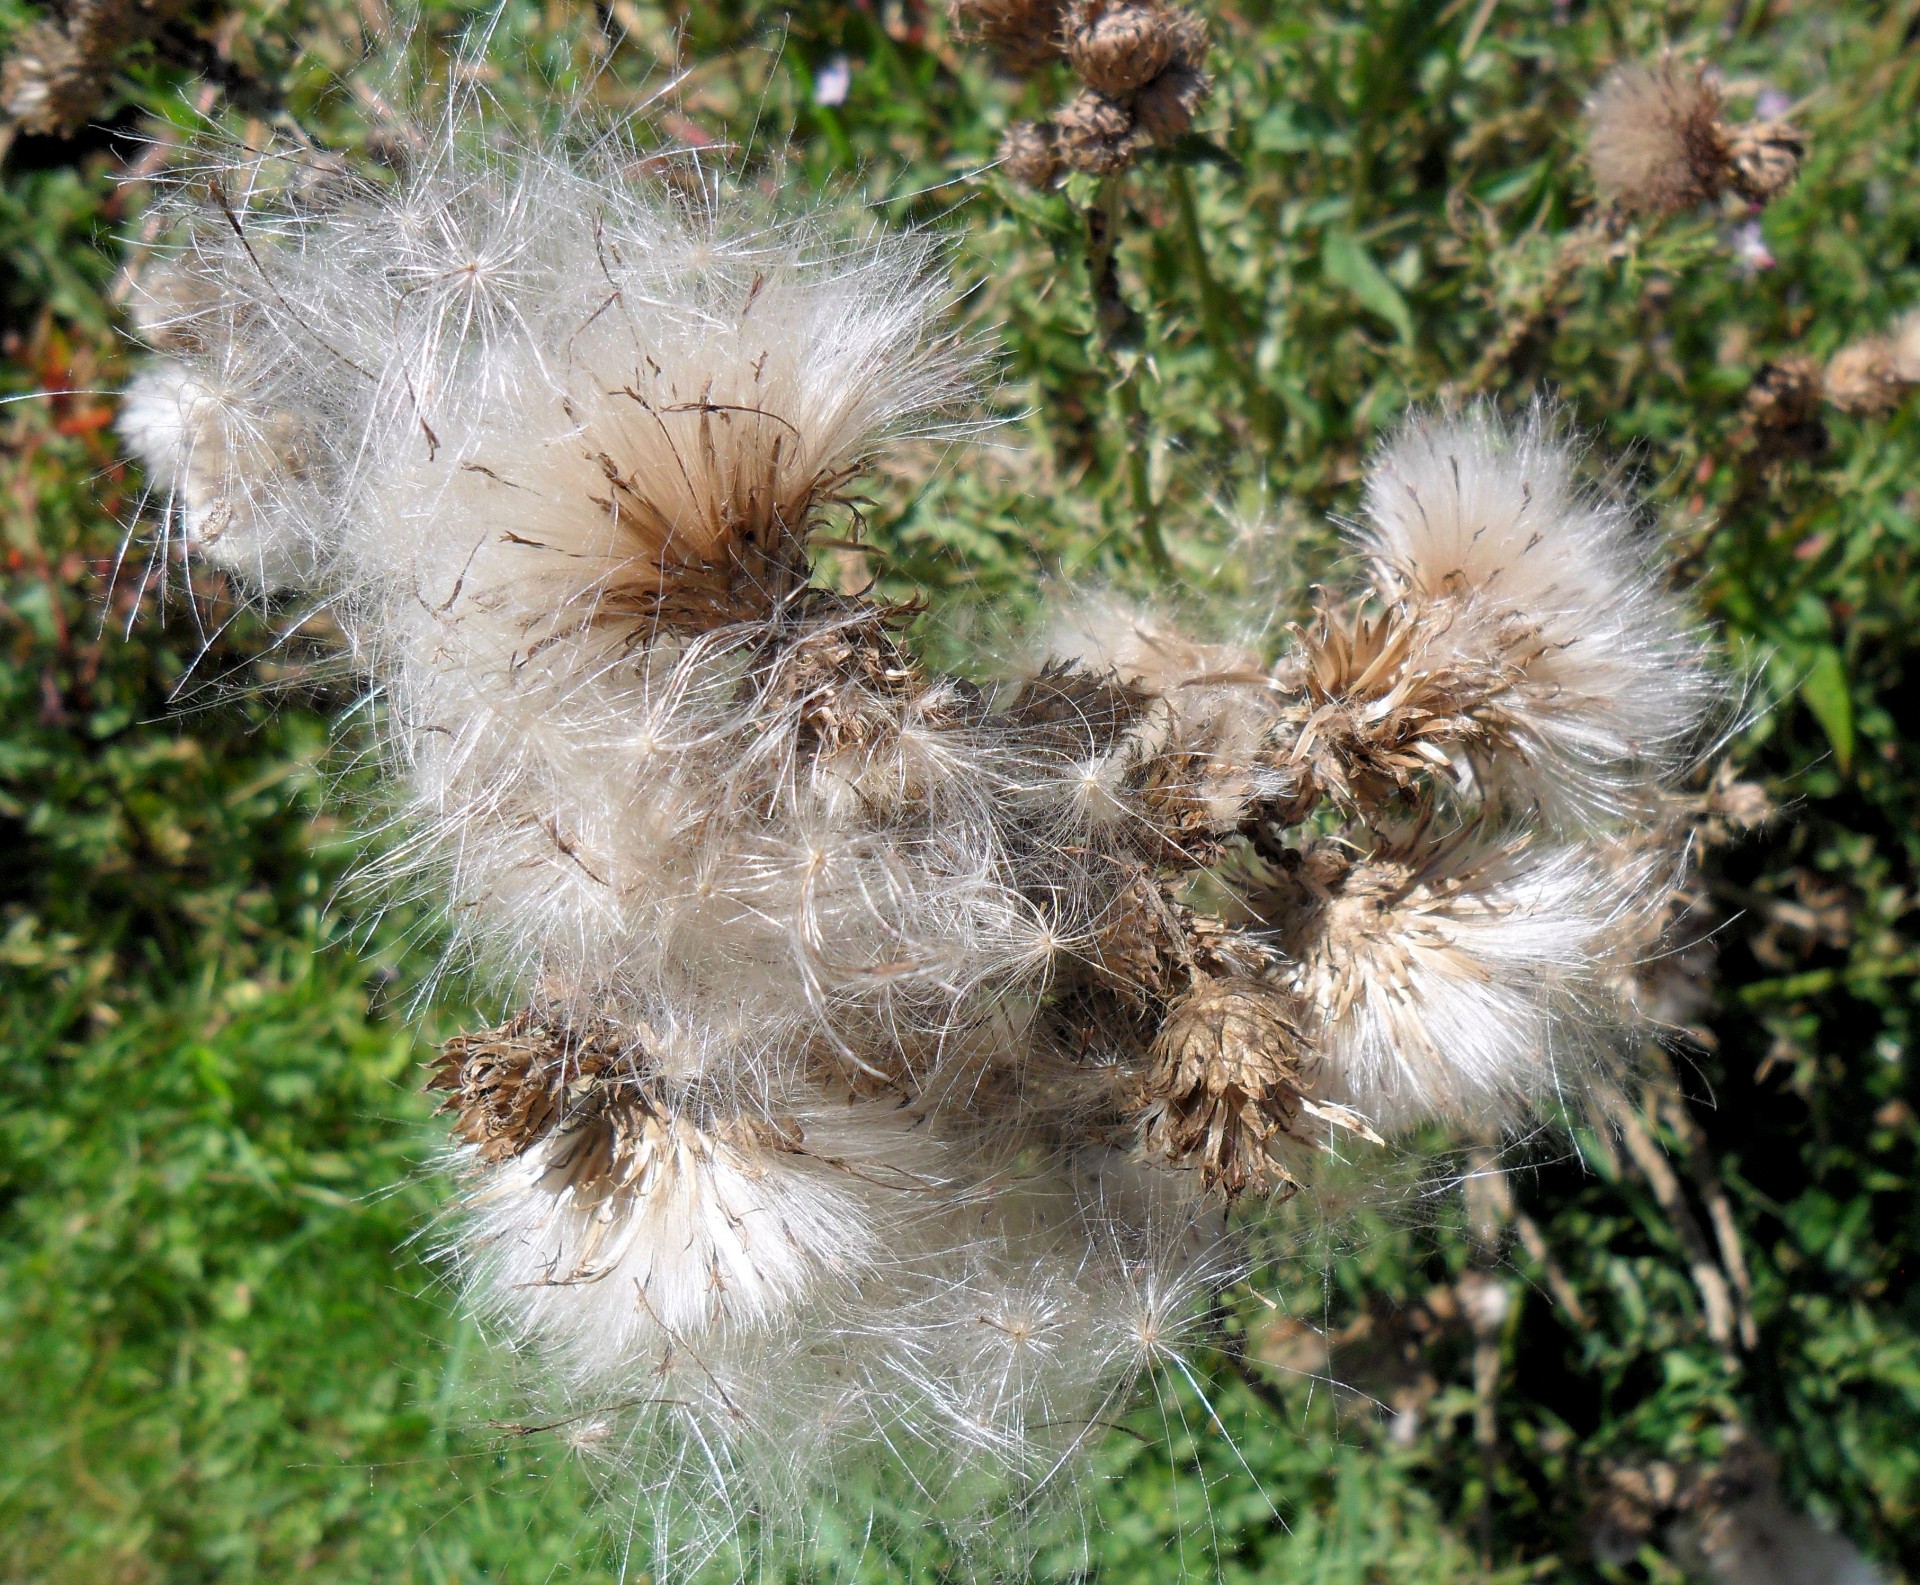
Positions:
{"x": 223, "y": 1355}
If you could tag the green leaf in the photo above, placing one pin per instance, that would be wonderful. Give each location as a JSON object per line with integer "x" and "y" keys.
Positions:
{"x": 1830, "y": 697}
{"x": 1346, "y": 262}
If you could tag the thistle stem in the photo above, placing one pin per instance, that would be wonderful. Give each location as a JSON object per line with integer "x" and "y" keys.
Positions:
{"x": 1218, "y": 320}
{"x": 1118, "y": 328}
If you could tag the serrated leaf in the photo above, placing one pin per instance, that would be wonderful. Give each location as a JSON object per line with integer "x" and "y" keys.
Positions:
{"x": 1346, "y": 262}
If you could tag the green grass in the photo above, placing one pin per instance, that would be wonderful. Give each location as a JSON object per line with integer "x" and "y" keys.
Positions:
{"x": 222, "y": 1355}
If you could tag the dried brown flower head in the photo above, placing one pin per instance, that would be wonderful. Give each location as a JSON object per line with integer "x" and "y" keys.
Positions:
{"x": 1095, "y": 133}
{"x": 1655, "y": 138}
{"x": 1865, "y": 378}
{"x": 1119, "y": 47}
{"x": 1785, "y": 395}
{"x": 57, "y": 73}
{"x": 1165, "y": 108}
{"x": 508, "y": 1086}
{"x": 1378, "y": 714}
{"x": 1024, "y": 34}
{"x": 1223, "y": 1087}
{"x": 1027, "y": 153}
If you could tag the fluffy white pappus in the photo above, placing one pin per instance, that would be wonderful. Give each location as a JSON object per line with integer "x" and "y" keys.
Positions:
{"x": 229, "y": 466}
{"x": 639, "y": 1229}
{"x": 981, "y": 1358}
{"x": 1516, "y": 564}
{"x": 1211, "y": 706}
{"x": 663, "y": 372}
{"x": 1470, "y": 980}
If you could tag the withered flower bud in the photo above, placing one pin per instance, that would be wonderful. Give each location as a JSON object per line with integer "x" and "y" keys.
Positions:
{"x": 1024, "y": 34}
{"x": 1027, "y": 153}
{"x": 1865, "y": 378}
{"x": 1095, "y": 134}
{"x": 1165, "y": 108}
{"x": 1763, "y": 158}
{"x": 1223, "y": 1088}
{"x": 1117, "y": 48}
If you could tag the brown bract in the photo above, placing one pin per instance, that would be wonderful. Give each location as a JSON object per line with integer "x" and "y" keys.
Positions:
{"x": 1376, "y": 715}
{"x": 537, "y": 1078}
{"x": 1785, "y": 395}
{"x": 508, "y": 1087}
{"x": 1223, "y": 1088}
{"x": 735, "y": 547}
{"x": 1655, "y": 138}
{"x": 837, "y": 662}
{"x": 58, "y": 73}
{"x": 1763, "y": 158}
{"x": 1165, "y": 107}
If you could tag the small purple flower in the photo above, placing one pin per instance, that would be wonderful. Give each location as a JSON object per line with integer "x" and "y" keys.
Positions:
{"x": 833, "y": 81}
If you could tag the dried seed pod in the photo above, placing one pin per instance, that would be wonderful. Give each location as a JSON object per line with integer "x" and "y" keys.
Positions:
{"x": 1379, "y": 712}
{"x": 1763, "y": 158}
{"x": 1655, "y": 138}
{"x": 1117, "y": 48}
{"x": 1785, "y": 395}
{"x": 1024, "y": 34}
{"x": 1865, "y": 378}
{"x": 1027, "y": 153}
{"x": 1095, "y": 134}
{"x": 1223, "y": 1089}
{"x": 1165, "y": 108}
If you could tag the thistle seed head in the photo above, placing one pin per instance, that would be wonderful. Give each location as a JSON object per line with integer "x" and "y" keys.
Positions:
{"x": 1865, "y": 378}
{"x": 1165, "y": 107}
{"x": 1024, "y": 34}
{"x": 1027, "y": 153}
{"x": 1785, "y": 395}
{"x": 1655, "y": 139}
{"x": 1095, "y": 134}
{"x": 1117, "y": 46}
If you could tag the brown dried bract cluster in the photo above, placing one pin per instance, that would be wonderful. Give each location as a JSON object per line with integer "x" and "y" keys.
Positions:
{"x": 836, "y": 661}
{"x": 1223, "y": 1088}
{"x": 1376, "y": 712}
{"x": 1659, "y": 143}
{"x": 539, "y": 1078}
{"x": 1866, "y": 378}
{"x": 1141, "y": 66}
{"x": 510, "y": 1086}
{"x": 1869, "y": 378}
{"x": 1024, "y": 35}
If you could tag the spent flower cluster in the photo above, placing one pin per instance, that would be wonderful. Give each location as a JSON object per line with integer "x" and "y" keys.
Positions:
{"x": 887, "y": 1048}
{"x": 1140, "y": 65}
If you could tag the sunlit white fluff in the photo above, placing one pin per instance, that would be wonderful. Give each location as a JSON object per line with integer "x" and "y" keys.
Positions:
{"x": 548, "y": 435}
{"x": 1464, "y": 980}
{"x": 1515, "y": 561}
